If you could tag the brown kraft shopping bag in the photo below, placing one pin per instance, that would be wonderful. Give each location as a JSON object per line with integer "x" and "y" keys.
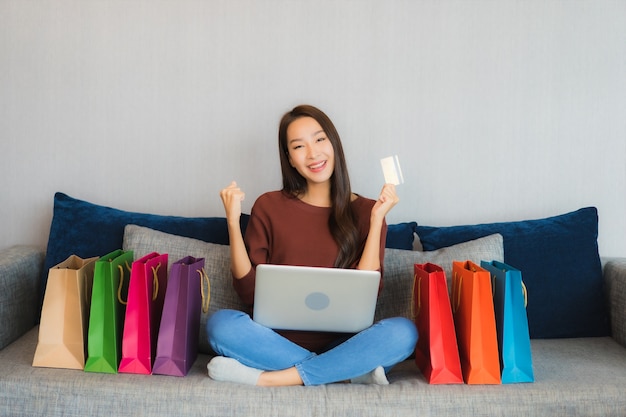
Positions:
{"x": 65, "y": 315}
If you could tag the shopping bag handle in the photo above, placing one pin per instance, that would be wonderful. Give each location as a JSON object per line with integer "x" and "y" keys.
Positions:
{"x": 414, "y": 314}
{"x": 206, "y": 299}
{"x": 155, "y": 279}
{"x": 524, "y": 290}
{"x": 86, "y": 291}
{"x": 121, "y": 284}
{"x": 457, "y": 280}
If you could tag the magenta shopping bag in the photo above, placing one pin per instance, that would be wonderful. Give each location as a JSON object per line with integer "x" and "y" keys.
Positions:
{"x": 177, "y": 346}
{"x": 146, "y": 294}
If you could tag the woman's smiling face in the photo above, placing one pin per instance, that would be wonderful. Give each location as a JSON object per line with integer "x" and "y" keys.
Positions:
{"x": 311, "y": 153}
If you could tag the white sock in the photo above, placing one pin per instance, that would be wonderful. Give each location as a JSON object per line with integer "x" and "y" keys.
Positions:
{"x": 377, "y": 376}
{"x": 222, "y": 368}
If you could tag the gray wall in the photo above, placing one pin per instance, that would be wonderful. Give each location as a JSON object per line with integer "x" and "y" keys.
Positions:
{"x": 499, "y": 110}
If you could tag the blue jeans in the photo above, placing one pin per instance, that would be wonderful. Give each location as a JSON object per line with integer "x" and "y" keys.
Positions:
{"x": 234, "y": 334}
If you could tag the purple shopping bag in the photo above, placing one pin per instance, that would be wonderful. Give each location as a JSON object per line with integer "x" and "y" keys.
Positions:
{"x": 177, "y": 344}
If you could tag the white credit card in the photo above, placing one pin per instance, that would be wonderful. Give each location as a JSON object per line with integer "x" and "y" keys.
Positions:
{"x": 391, "y": 170}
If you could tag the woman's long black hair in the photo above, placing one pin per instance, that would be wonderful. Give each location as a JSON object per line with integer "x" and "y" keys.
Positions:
{"x": 342, "y": 222}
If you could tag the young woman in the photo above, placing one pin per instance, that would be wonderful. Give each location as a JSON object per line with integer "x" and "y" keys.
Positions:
{"x": 315, "y": 220}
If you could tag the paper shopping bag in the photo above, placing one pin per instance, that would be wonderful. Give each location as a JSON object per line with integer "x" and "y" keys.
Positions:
{"x": 64, "y": 315}
{"x": 110, "y": 285}
{"x": 146, "y": 293}
{"x": 437, "y": 353}
{"x": 188, "y": 293}
{"x": 475, "y": 323}
{"x": 510, "y": 301}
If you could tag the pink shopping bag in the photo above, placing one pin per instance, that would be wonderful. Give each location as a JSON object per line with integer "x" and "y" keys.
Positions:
{"x": 146, "y": 294}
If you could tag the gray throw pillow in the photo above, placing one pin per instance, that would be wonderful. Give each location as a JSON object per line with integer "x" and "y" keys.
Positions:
{"x": 396, "y": 297}
{"x": 394, "y": 300}
{"x": 142, "y": 240}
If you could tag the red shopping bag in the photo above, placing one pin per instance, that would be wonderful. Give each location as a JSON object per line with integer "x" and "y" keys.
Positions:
{"x": 475, "y": 323}
{"x": 437, "y": 353}
{"x": 146, "y": 292}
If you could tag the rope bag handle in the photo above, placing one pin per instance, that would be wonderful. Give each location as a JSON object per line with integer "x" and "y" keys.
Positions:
{"x": 414, "y": 313}
{"x": 155, "y": 280}
{"x": 206, "y": 298}
{"x": 121, "y": 284}
{"x": 457, "y": 281}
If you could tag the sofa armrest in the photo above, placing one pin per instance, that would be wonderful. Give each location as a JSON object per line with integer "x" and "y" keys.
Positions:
{"x": 20, "y": 274}
{"x": 615, "y": 281}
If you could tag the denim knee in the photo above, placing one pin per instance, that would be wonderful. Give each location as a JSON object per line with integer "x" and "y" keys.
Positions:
{"x": 222, "y": 325}
{"x": 404, "y": 334}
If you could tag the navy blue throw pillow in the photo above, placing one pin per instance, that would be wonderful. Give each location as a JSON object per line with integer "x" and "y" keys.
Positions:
{"x": 86, "y": 229}
{"x": 401, "y": 235}
{"x": 560, "y": 265}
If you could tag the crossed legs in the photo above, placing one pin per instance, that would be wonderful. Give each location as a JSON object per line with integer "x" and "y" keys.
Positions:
{"x": 253, "y": 354}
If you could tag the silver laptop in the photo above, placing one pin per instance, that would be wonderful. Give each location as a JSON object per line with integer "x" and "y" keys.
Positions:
{"x": 317, "y": 299}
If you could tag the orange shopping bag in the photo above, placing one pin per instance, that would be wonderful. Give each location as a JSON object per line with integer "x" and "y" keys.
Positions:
{"x": 437, "y": 353}
{"x": 475, "y": 323}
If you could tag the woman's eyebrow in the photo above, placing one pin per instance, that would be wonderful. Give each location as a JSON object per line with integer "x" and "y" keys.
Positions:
{"x": 313, "y": 135}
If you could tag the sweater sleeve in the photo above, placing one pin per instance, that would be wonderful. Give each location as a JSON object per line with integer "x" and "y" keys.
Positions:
{"x": 383, "y": 241}
{"x": 363, "y": 214}
{"x": 257, "y": 241}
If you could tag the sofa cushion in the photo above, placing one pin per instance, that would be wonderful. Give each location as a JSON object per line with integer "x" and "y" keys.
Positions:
{"x": 573, "y": 378}
{"x": 560, "y": 265}
{"x": 142, "y": 240}
{"x": 395, "y": 299}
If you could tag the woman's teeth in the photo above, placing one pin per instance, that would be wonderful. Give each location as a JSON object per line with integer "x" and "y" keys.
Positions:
{"x": 317, "y": 166}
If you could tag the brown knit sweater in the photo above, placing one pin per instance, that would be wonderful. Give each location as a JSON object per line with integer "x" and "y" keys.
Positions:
{"x": 284, "y": 230}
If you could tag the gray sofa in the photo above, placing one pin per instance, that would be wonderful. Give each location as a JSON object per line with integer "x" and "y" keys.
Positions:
{"x": 573, "y": 377}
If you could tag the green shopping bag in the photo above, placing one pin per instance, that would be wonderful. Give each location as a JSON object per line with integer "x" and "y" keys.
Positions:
{"x": 110, "y": 286}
